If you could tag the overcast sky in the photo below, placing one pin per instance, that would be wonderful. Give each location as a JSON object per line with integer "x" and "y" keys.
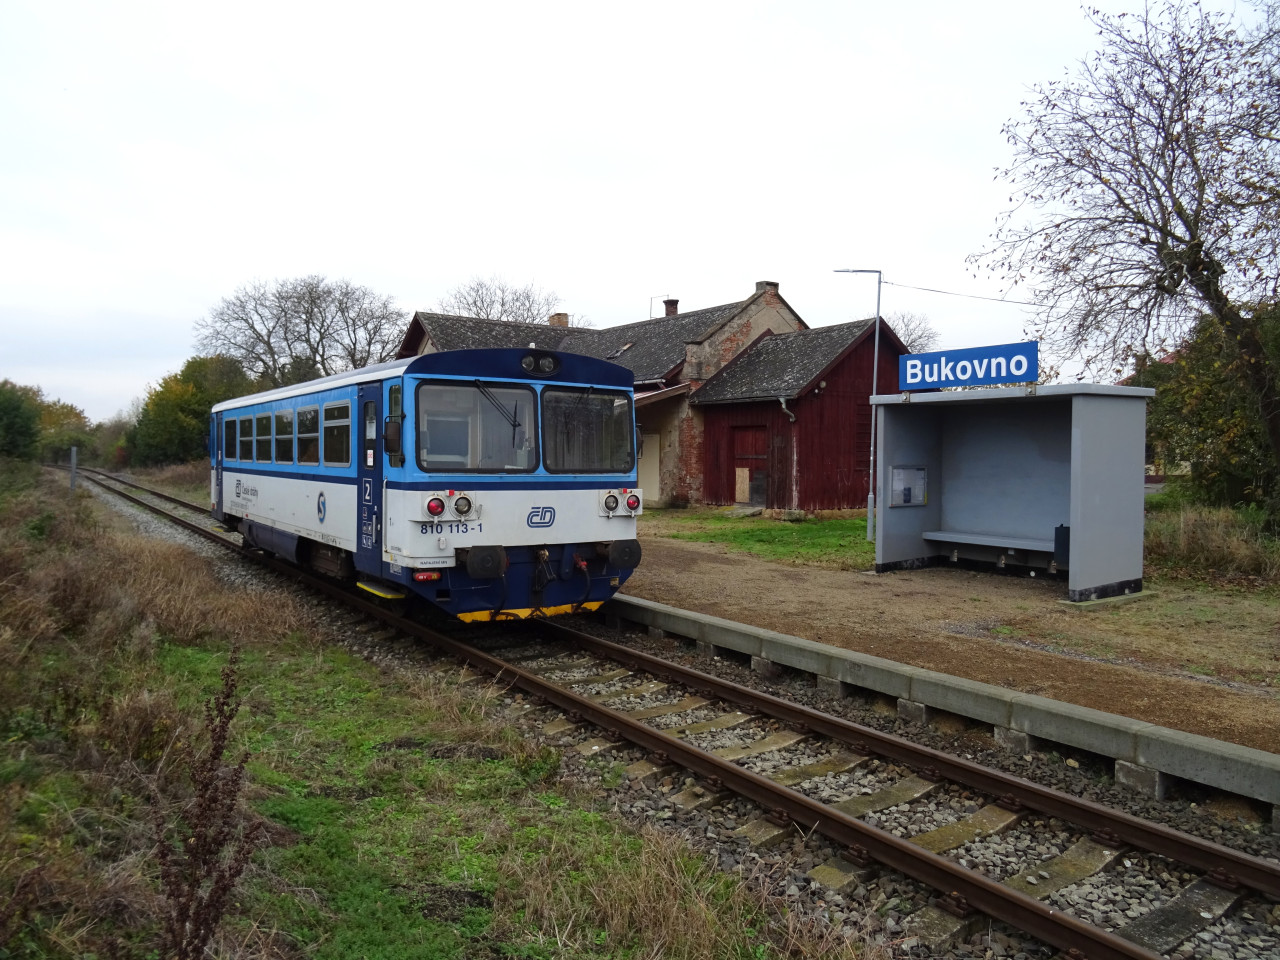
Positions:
{"x": 159, "y": 156}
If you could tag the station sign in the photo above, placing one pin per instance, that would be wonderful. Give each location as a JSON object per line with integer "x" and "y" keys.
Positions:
{"x": 971, "y": 367}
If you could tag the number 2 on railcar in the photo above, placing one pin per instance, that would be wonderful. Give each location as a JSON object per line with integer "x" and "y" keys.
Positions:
{"x": 493, "y": 483}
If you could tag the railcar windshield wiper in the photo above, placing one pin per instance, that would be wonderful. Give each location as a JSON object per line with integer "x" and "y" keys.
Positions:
{"x": 511, "y": 418}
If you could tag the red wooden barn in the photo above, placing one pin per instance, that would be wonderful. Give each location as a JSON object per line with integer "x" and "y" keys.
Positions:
{"x": 786, "y": 424}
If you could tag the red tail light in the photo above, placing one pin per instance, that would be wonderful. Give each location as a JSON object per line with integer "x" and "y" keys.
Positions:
{"x": 435, "y": 506}
{"x": 633, "y": 502}
{"x": 424, "y": 575}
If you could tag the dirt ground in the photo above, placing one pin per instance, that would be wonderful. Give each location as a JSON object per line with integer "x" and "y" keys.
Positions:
{"x": 1189, "y": 657}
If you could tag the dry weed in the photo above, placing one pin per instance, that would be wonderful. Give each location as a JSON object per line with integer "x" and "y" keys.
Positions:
{"x": 1216, "y": 540}
{"x": 183, "y": 479}
{"x": 684, "y": 908}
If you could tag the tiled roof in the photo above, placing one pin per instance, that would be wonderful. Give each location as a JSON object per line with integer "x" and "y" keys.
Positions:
{"x": 468, "y": 333}
{"x": 649, "y": 348}
{"x": 781, "y": 365}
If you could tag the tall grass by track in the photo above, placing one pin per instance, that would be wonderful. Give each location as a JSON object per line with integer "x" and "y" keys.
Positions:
{"x": 1218, "y": 543}
{"x": 402, "y": 817}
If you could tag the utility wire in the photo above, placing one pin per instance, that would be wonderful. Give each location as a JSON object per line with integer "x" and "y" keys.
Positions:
{"x": 969, "y": 296}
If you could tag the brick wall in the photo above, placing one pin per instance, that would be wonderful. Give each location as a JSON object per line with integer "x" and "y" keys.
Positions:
{"x": 687, "y": 482}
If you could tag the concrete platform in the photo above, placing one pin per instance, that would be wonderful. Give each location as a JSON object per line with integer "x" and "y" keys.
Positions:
{"x": 1146, "y": 746}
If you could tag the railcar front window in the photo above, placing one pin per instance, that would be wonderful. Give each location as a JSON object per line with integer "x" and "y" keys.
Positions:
{"x": 229, "y": 438}
{"x": 476, "y": 427}
{"x": 263, "y": 438}
{"x": 337, "y": 435}
{"x": 585, "y": 430}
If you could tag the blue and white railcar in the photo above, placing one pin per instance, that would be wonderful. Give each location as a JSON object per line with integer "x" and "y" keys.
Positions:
{"x": 493, "y": 483}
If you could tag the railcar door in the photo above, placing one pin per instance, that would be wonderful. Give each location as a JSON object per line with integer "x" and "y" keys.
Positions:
{"x": 217, "y": 436}
{"x": 369, "y": 480}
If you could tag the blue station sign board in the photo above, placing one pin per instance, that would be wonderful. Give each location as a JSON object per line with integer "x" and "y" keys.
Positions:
{"x": 971, "y": 367}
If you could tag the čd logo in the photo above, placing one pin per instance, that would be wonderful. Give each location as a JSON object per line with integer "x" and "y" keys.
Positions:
{"x": 542, "y": 516}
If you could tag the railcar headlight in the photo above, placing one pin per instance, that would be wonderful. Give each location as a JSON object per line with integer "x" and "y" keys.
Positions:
{"x": 462, "y": 506}
{"x": 435, "y": 506}
{"x": 527, "y": 362}
{"x": 611, "y": 503}
{"x": 633, "y": 502}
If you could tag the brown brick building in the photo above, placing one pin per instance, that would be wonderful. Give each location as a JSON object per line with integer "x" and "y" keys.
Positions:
{"x": 672, "y": 357}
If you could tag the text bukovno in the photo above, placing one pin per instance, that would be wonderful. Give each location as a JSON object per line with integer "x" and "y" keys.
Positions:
{"x": 976, "y": 366}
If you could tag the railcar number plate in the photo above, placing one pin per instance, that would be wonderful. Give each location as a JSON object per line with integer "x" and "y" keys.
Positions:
{"x": 429, "y": 529}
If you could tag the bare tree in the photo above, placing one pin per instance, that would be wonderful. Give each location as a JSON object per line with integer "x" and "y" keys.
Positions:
{"x": 1146, "y": 191}
{"x": 914, "y": 330}
{"x": 307, "y": 324}
{"x": 495, "y": 299}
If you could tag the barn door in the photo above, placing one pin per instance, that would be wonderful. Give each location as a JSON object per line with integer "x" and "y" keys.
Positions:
{"x": 750, "y": 465}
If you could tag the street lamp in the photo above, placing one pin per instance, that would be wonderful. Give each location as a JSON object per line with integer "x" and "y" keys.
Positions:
{"x": 875, "y": 371}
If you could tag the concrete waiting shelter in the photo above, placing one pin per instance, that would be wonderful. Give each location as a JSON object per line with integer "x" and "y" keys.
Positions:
{"x": 1042, "y": 478}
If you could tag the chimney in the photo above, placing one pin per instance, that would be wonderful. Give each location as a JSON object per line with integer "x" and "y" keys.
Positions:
{"x": 766, "y": 286}
{"x": 672, "y": 307}
{"x": 558, "y": 320}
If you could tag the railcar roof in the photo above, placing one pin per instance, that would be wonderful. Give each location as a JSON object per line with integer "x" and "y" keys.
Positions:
{"x": 577, "y": 368}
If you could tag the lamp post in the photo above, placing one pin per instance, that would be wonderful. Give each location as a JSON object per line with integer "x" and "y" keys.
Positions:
{"x": 875, "y": 371}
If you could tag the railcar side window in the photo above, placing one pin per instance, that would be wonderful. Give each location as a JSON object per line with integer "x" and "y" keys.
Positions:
{"x": 337, "y": 435}
{"x": 309, "y": 435}
{"x": 229, "y": 438}
{"x": 476, "y": 427}
{"x": 585, "y": 430}
{"x": 262, "y": 452}
{"x": 246, "y": 438}
{"x": 284, "y": 436}
{"x": 395, "y": 411}
{"x": 370, "y": 432}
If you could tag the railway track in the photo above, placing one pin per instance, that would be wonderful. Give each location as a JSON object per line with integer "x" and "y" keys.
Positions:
{"x": 811, "y": 772}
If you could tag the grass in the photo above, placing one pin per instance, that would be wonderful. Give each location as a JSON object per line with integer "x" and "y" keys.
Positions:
{"x": 1182, "y": 541}
{"x": 1217, "y": 543}
{"x": 839, "y": 544}
{"x": 403, "y": 817}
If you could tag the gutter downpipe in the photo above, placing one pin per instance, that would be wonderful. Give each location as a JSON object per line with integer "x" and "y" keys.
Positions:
{"x": 783, "y": 401}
